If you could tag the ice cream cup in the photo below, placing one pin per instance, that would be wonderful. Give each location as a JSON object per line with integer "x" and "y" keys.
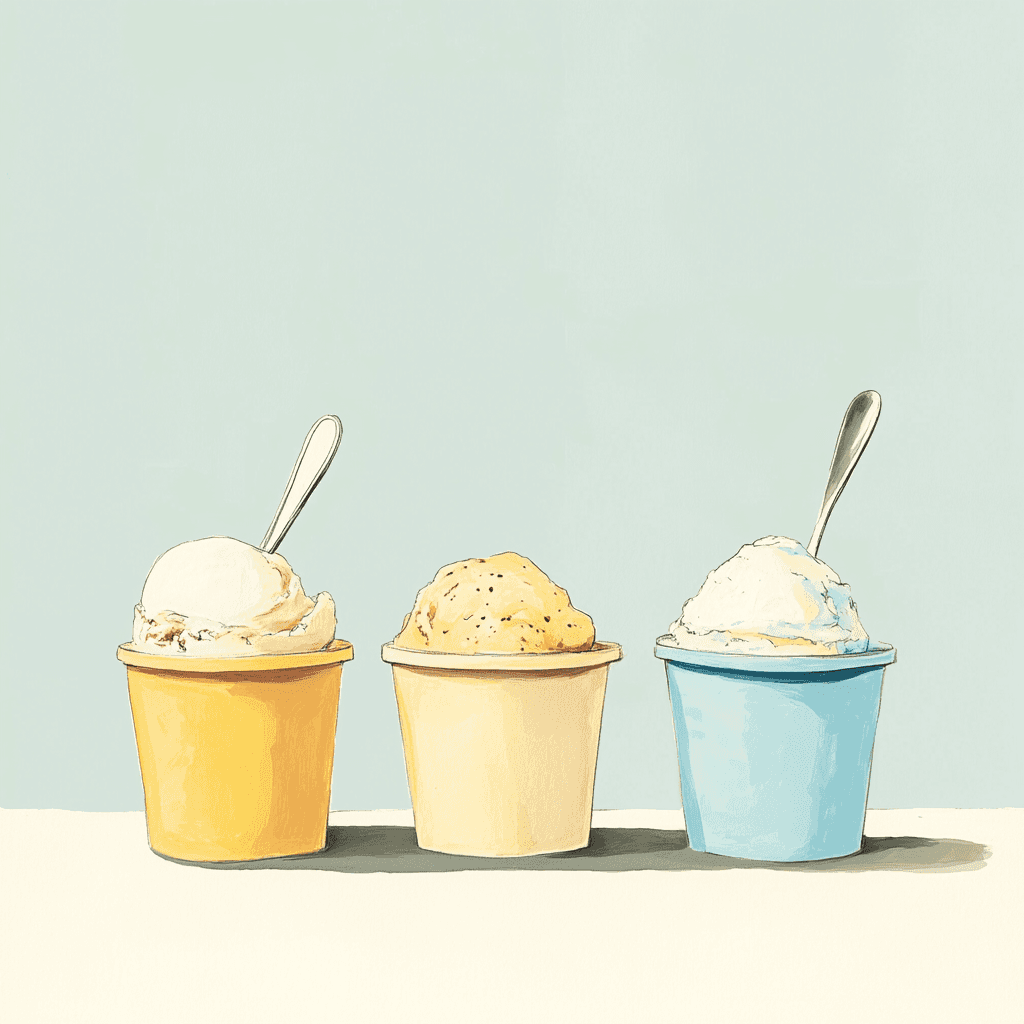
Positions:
{"x": 501, "y": 749}
{"x": 236, "y": 753}
{"x": 775, "y": 752}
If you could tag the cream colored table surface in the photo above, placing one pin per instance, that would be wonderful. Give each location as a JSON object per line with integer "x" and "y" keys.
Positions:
{"x": 923, "y": 926}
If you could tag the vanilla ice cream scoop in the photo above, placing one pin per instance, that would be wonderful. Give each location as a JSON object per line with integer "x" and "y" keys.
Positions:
{"x": 771, "y": 597}
{"x": 220, "y": 597}
{"x": 499, "y": 605}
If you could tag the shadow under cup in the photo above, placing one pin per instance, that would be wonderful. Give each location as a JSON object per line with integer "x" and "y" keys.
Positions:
{"x": 775, "y": 752}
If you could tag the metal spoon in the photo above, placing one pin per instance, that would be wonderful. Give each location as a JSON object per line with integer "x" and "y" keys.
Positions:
{"x": 854, "y": 434}
{"x": 317, "y": 451}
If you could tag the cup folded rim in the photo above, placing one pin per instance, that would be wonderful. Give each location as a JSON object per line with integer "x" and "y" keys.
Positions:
{"x": 602, "y": 653}
{"x": 335, "y": 653}
{"x": 879, "y": 654}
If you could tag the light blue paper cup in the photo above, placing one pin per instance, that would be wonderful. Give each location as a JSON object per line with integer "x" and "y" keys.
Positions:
{"x": 775, "y": 752}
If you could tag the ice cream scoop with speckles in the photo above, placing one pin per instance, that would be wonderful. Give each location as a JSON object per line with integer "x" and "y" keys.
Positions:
{"x": 499, "y": 605}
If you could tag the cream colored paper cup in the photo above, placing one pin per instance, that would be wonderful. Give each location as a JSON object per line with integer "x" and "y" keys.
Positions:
{"x": 236, "y": 753}
{"x": 501, "y": 749}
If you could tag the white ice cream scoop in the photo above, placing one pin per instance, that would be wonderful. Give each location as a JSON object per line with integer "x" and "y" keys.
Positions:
{"x": 317, "y": 452}
{"x": 854, "y": 434}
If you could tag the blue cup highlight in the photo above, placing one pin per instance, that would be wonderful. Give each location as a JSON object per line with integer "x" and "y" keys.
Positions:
{"x": 775, "y": 752}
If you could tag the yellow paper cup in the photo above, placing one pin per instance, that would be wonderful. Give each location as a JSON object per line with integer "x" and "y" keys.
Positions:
{"x": 501, "y": 749}
{"x": 236, "y": 753}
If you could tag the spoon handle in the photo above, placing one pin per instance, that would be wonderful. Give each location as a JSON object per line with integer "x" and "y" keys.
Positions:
{"x": 317, "y": 451}
{"x": 854, "y": 434}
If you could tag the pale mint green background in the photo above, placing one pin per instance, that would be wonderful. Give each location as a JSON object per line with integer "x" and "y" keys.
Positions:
{"x": 591, "y": 282}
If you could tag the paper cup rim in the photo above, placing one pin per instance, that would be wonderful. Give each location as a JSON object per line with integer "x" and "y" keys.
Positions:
{"x": 775, "y": 664}
{"x": 602, "y": 653}
{"x": 135, "y": 657}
